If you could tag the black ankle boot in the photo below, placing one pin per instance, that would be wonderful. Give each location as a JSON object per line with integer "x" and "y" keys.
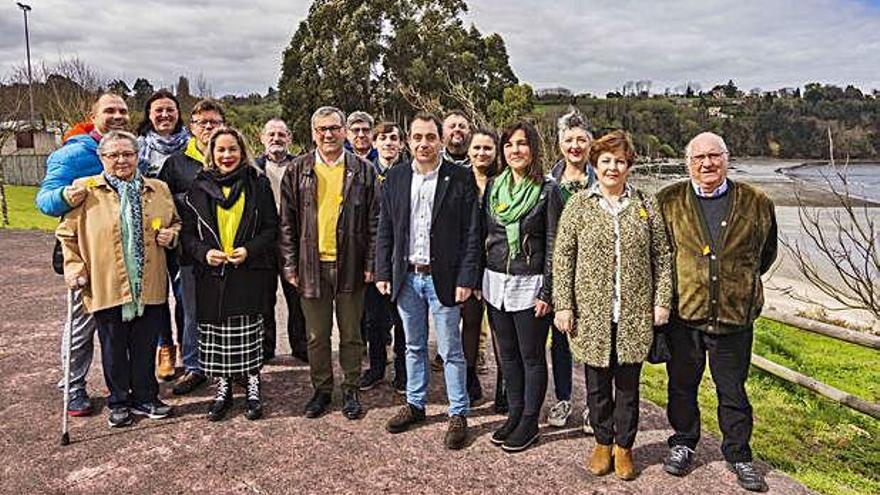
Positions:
{"x": 254, "y": 400}
{"x": 501, "y": 434}
{"x": 474, "y": 389}
{"x": 523, "y": 436}
{"x": 222, "y": 400}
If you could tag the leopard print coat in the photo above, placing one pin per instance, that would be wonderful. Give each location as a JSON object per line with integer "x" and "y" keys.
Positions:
{"x": 584, "y": 272}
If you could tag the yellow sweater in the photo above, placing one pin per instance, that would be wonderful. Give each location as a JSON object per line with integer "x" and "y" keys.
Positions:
{"x": 229, "y": 220}
{"x": 330, "y": 180}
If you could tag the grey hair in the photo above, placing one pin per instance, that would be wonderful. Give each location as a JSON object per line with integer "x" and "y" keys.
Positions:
{"x": 573, "y": 120}
{"x": 328, "y": 110}
{"x": 359, "y": 116}
{"x": 117, "y": 136}
{"x": 719, "y": 139}
{"x": 275, "y": 120}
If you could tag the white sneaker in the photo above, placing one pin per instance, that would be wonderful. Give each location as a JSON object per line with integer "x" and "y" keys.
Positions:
{"x": 587, "y": 428}
{"x": 559, "y": 414}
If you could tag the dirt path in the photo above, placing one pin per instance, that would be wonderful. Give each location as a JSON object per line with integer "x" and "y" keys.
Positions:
{"x": 285, "y": 452}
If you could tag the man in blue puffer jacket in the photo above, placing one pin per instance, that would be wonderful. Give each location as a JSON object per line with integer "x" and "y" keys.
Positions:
{"x": 78, "y": 157}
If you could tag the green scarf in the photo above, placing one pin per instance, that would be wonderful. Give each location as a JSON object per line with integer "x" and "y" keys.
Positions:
{"x": 509, "y": 202}
{"x": 131, "y": 221}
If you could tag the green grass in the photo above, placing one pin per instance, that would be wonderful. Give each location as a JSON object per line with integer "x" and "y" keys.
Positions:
{"x": 23, "y": 213}
{"x": 828, "y": 447}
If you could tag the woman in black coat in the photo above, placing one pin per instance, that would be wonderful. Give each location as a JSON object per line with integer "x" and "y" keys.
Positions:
{"x": 230, "y": 223}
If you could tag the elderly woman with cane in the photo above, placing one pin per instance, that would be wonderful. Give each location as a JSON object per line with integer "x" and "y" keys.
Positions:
{"x": 230, "y": 223}
{"x": 114, "y": 249}
{"x": 613, "y": 283}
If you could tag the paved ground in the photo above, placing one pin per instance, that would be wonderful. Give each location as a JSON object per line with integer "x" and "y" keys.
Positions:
{"x": 284, "y": 453}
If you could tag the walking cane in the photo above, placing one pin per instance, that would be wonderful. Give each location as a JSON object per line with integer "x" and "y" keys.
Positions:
{"x": 68, "y": 330}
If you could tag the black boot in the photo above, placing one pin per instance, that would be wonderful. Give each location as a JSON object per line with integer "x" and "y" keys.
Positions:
{"x": 474, "y": 389}
{"x": 222, "y": 400}
{"x": 507, "y": 428}
{"x": 524, "y": 435}
{"x": 254, "y": 399}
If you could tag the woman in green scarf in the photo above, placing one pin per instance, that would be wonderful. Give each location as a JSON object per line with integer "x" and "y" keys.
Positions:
{"x": 114, "y": 250}
{"x": 520, "y": 212}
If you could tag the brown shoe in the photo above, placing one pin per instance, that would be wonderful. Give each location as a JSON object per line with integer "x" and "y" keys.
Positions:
{"x": 456, "y": 433}
{"x": 623, "y": 464}
{"x": 167, "y": 357}
{"x": 188, "y": 382}
{"x": 600, "y": 460}
{"x": 405, "y": 417}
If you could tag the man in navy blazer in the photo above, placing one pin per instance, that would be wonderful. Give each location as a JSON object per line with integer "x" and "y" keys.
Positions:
{"x": 428, "y": 259}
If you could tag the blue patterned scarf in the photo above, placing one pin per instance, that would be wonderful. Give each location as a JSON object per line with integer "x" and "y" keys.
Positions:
{"x": 154, "y": 149}
{"x": 131, "y": 218}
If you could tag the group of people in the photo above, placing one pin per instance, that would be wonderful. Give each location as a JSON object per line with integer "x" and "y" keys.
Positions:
{"x": 382, "y": 227}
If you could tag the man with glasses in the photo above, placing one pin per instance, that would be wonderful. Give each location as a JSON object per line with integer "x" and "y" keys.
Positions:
{"x": 327, "y": 246}
{"x": 77, "y": 158}
{"x": 360, "y": 135}
{"x": 179, "y": 172}
{"x": 723, "y": 236}
{"x": 274, "y": 162}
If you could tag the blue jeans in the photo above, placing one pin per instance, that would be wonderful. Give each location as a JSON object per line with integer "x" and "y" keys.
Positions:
{"x": 416, "y": 298}
{"x": 189, "y": 342}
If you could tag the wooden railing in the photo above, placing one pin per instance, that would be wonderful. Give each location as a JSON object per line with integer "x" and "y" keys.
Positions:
{"x": 844, "y": 398}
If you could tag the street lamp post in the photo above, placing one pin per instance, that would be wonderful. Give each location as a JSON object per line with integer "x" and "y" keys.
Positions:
{"x": 27, "y": 42}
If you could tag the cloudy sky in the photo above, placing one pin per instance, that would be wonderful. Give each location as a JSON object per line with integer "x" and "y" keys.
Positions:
{"x": 593, "y": 45}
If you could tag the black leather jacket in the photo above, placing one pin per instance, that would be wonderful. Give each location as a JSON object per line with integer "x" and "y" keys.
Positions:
{"x": 537, "y": 235}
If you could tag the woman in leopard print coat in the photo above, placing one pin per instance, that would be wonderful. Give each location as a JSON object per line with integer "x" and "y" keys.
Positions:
{"x": 613, "y": 284}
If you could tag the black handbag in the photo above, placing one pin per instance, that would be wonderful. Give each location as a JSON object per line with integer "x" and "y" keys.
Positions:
{"x": 659, "y": 352}
{"x": 58, "y": 258}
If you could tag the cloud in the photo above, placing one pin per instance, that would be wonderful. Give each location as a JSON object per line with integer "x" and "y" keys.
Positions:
{"x": 586, "y": 46}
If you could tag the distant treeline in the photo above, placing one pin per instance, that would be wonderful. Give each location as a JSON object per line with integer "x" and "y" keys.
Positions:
{"x": 785, "y": 123}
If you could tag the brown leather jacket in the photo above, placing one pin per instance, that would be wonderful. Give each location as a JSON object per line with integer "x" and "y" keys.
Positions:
{"x": 355, "y": 227}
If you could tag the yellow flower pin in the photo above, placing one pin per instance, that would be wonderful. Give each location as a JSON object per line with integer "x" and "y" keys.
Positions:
{"x": 91, "y": 182}
{"x": 156, "y": 224}
{"x": 643, "y": 213}
{"x": 706, "y": 250}
{"x": 501, "y": 207}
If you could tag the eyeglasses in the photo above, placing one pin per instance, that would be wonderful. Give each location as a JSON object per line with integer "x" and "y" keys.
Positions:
{"x": 206, "y": 123}
{"x": 360, "y": 130}
{"x": 713, "y": 157}
{"x": 331, "y": 128}
{"x": 127, "y": 155}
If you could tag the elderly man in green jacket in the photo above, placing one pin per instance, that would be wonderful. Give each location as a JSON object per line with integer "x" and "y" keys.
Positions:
{"x": 723, "y": 236}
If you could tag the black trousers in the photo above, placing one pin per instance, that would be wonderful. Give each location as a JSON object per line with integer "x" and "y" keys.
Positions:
{"x": 521, "y": 340}
{"x": 613, "y": 399}
{"x": 380, "y": 316}
{"x": 296, "y": 322}
{"x": 128, "y": 354}
{"x": 471, "y": 325}
{"x": 729, "y": 359}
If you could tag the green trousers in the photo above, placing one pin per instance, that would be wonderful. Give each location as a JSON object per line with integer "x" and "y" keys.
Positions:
{"x": 318, "y": 313}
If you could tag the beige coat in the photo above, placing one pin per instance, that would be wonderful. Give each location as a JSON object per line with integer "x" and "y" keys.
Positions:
{"x": 91, "y": 239}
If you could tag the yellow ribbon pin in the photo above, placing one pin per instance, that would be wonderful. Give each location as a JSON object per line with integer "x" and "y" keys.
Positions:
{"x": 706, "y": 250}
{"x": 643, "y": 213}
{"x": 91, "y": 182}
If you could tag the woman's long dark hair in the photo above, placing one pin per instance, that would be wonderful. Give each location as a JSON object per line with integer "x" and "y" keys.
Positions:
{"x": 536, "y": 169}
{"x": 146, "y": 124}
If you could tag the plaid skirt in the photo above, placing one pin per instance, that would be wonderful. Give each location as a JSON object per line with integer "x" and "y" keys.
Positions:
{"x": 233, "y": 347}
